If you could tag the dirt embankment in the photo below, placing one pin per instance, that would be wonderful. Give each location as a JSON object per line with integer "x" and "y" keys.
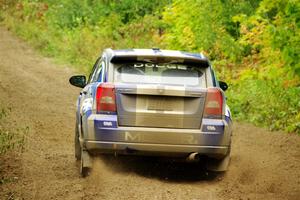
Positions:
{"x": 265, "y": 165}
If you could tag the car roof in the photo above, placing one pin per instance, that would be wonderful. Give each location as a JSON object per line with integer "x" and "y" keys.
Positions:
{"x": 156, "y": 55}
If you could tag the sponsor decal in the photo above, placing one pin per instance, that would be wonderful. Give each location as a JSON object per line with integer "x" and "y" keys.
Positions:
{"x": 138, "y": 137}
{"x": 212, "y": 129}
{"x": 132, "y": 137}
{"x": 105, "y": 124}
{"x": 211, "y": 126}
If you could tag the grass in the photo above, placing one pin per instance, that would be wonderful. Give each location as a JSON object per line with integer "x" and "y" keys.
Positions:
{"x": 11, "y": 138}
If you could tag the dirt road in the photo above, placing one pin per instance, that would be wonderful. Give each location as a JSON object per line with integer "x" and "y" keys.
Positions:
{"x": 265, "y": 165}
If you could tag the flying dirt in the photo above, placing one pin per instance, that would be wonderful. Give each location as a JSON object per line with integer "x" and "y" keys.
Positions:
{"x": 264, "y": 165}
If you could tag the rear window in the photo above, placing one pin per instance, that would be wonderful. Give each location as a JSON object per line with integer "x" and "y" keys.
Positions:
{"x": 152, "y": 73}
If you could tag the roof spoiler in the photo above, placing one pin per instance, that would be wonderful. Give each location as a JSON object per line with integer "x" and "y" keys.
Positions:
{"x": 188, "y": 60}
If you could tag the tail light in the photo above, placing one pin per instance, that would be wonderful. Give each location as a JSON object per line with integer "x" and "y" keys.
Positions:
{"x": 106, "y": 98}
{"x": 214, "y": 103}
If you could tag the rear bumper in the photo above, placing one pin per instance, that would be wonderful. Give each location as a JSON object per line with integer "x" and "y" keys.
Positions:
{"x": 103, "y": 135}
{"x": 154, "y": 149}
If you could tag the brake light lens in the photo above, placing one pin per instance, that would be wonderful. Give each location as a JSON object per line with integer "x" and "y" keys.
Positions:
{"x": 214, "y": 103}
{"x": 106, "y": 98}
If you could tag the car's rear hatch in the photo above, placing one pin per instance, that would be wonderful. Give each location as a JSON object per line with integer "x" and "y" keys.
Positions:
{"x": 164, "y": 89}
{"x": 159, "y": 106}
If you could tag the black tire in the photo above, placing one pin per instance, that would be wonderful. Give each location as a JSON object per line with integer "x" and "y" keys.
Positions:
{"x": 77, "y": 143}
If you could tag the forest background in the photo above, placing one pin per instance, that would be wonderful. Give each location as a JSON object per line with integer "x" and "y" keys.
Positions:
{"x": 254, "y": 45}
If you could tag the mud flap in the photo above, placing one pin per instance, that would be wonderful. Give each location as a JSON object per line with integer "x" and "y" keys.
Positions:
{"x": 218, "y": 165}
{"x": 86, "y": 163}
{"x": 77, "y": 143}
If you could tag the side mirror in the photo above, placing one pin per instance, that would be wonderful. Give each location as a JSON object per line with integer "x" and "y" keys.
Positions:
{"x": 78, "y": 81}
{"x": 223, "y": 85}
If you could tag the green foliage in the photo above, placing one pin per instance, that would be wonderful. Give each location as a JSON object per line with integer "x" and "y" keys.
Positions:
{"x": 274, "y": 27}
{"x": 266, "y": 103}
{"x": 206, "y": 26}
{"x": 253, "y": 44}
{"x": 77, "y": 31}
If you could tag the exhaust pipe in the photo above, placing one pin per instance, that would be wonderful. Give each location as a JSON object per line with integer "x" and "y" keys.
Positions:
{"x": 193, "y": 157}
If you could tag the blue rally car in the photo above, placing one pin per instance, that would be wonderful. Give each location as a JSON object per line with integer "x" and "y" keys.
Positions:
{"x": 152, "y": 102}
